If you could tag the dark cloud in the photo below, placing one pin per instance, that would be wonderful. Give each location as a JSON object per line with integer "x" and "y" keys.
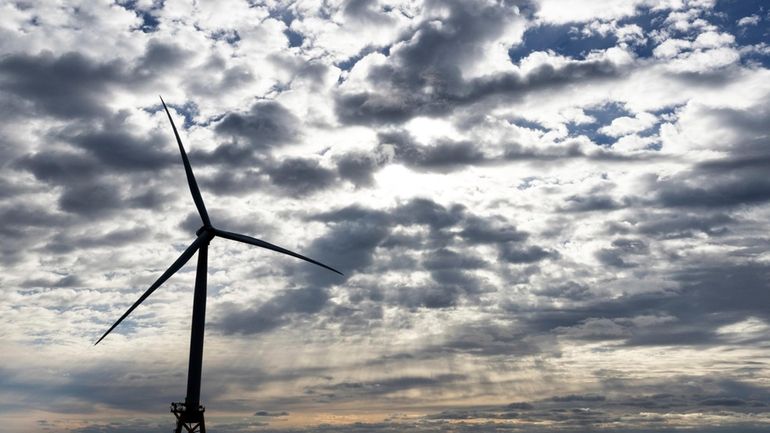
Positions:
{"x": 520, "y": 406}
{"x": 612, "y": 257}
{"x": 120, "y": 150}
{"x": 490, "y": 231}
{"x": 358, "y": 168}
{"x": 270, "y": 414}
{"x": 422, "y": 76}
{"x": 353, "y": 242}
{"x": 383, "y": 387}
{"x": 486, "y": 339}
{"x": 274, "y": 312}
{"x": 252, "y": 172}
{"x": 428, "y": 60}
{"x": 708, "y": 189}
{"x": 529, "y": 254}
{"x": 627, "y": 411}
{"x": 630, "y": 409}
{"x": 684, "y": 225}
{"x": 365, "y": 12}
{"x": 441, "y": 156}
{"x": 242, "y": 182}
{"x": 578, "y": 397}
{"x": 232, "y": 154}
{"x": 349, "y": 246}
{"x": 446, "y": 289}
{"x": 114, "y": 386}
{"x": 13, "y": 186}
{"x": 444, "y": 258}
{"x": 65, "y": 242}
{"x": 592, "y": 202}
{"x": 570, "y": 290}
{"x": 95, "y": 167}
{"x": 24, "y": 226}
{"x": 617, "y": 255}
{"x": 708, "y": 297}
{"x": 300, "y": 176}
{"x": 20, "y": 216}
{"x": 70, "y": 86}
{"x": 723, "y": 402}
{"x": 251, "y": 134}
{"x": 160, "y": 58}
{"x": 60, "y": 167}
{"x": 427, "y": 212}
{"x": 66, "y": 281}
{"x": 90, "y": 199}
{"x": 735, "y": 178}
{"x": 356, "y": 233}
{"x": 564, "y": 151}
{"x": 266, "y": 124}
{"x": 438, "y": 219}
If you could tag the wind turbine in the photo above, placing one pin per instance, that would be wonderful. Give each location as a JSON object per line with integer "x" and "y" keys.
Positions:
{"x": 189, "y": 414}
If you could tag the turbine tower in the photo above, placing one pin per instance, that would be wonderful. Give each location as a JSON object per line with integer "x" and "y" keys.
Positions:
{"x": 189, "y": 414}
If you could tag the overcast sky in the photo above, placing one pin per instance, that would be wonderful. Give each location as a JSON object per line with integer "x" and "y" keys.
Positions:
{"x": 552, "y": 215}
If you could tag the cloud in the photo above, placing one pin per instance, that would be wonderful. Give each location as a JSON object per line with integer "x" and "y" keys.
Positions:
{"x": 441, "y": 156}
{"x": 266, "y": 124}
{"x": 300, "y": 175}
{"x": 70, "y": 86}
{"x": 274, "y": 312}
{"x": 530, "y": 202}
{"x": 408, "y": 97}
{"x": 355, "y": 242}
{"x": 424, "y": 75}
{"x": 270, "y": 414}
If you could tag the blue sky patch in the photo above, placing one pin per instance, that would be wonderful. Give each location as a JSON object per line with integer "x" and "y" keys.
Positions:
{"x": 604, "y": 115}
{"x": 566, "y": 40}
{"x": 295, "y": 38}
{"x": 748, "y": 21}
{"x": 150, "y": 22}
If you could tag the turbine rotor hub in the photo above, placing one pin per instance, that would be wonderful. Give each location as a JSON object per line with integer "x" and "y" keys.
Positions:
{"x": 203, "y": 229}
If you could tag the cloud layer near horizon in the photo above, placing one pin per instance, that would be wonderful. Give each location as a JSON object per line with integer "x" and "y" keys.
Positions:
{"x": 551, "y": 216}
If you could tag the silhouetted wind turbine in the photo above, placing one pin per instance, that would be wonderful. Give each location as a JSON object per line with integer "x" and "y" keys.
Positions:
{"x": 190, "y": 413}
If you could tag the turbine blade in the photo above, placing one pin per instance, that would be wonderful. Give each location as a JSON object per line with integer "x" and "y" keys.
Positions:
{"x": 169, "y": 272}
{"x": 269, "y": 246}
{"x": 196, "y": 193}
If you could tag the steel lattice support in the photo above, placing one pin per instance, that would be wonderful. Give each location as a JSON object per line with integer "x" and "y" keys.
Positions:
{"x": 188, "y": 420}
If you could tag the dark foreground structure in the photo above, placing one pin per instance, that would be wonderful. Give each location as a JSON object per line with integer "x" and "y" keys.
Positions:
{"x": 189, "y": 414}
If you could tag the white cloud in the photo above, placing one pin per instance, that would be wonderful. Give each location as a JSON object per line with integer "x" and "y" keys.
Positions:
{"x": 627, "y": 125}
{"x": 704, "y": 61}
{"x": 671, "y": 48}
{"x": 713, "y": 40}
{"x": 564, "y": 11}
{"x": 750, "y": 20}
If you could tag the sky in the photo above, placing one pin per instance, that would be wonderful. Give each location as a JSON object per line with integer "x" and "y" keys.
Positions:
{"x": 551, "y": 215}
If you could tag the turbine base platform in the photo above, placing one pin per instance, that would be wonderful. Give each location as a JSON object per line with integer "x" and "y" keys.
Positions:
{"x": 188, "y": 420}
